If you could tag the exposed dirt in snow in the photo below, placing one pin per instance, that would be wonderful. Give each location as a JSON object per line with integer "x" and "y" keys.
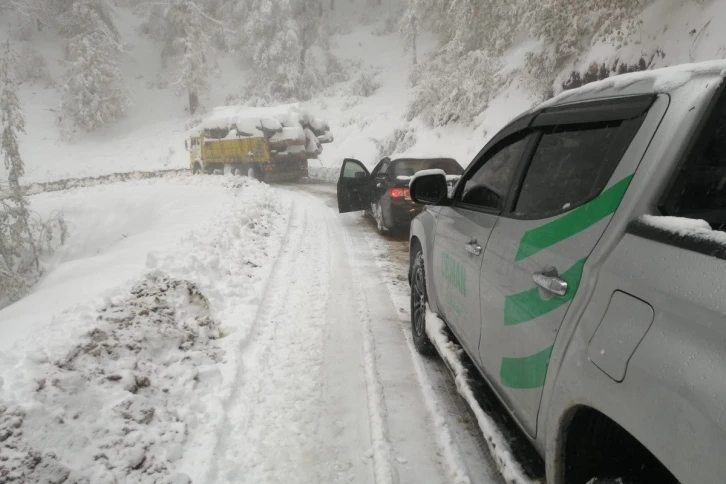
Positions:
{"x": 112, "y": 407}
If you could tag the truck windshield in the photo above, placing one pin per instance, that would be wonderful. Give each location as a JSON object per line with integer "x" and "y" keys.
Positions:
{"x": 410, "y": 167}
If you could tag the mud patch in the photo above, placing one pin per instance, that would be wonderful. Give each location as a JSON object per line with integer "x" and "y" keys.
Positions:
{"x": 116, "y": 406}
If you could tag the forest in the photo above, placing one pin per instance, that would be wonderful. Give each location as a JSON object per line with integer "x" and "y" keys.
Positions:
{"x": 287, "y": 44}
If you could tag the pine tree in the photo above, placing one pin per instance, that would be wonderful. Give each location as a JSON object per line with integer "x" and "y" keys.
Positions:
{"x": 16, "y": 240}
{"x": 92, "y": 93}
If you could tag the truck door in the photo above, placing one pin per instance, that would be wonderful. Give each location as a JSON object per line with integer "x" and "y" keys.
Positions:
{"x": 354, "y": 187}
{"x": 533, "y": 264}
{"x": 462, "y": 233}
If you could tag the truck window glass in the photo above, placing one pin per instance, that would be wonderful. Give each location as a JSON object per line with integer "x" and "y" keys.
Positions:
{"x": 700, "y": 187}
{"x": 571, "y": 165}
{"x": 489, "y": 185}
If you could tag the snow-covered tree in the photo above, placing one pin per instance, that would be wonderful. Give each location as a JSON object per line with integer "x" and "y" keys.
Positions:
{"x": 271, "y": 36}
{"x": 409, "y": 26}
{"x": 93, "y": 94}
{"x": 18, "y": 254}
{"x": 187, "y": 26}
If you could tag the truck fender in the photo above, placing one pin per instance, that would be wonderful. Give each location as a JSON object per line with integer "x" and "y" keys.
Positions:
{"x": 423, "y": 229}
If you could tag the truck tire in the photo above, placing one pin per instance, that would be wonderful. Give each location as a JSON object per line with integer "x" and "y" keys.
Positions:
{"x": 254, "y": 172}
{"x": 197, "y": 169}
{"x": 419, "y": 299}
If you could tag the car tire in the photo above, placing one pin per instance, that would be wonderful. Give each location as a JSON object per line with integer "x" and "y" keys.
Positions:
{"x": 419, "y": 300}
{"x": 381, "y": 226}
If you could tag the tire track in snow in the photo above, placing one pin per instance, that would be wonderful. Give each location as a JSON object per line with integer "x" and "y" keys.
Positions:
{"x": 381, "y": 451}
{"x": 257, "y": 332}
{"x": 453, "y": 460}
{"x": 271, "y": 436}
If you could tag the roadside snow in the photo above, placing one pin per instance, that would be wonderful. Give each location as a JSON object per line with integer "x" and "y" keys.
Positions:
{"x": 119, "y": 378}
{"x": 510, "y": 469}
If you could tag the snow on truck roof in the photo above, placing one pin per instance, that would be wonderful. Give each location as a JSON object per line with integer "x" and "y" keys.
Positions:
{"x": 666, "y": 79}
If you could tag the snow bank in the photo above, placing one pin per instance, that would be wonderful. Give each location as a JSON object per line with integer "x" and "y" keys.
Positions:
{"x": 510, "y": 469}
{"x": 685, "y": 227}
{"x": 111, "y": 407}
{"x": 125, "y": 384}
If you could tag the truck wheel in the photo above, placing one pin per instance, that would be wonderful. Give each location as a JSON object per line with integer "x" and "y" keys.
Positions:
{"x": 419, "y": 300}
{"x": 197, "y": 169}
{"x": 253, "y": 172}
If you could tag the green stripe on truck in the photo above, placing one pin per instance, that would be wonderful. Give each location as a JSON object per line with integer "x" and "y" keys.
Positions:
{"x": 527, "y": 372}
{"x": 573, "y": 222}
{"x": 528, "y": 305}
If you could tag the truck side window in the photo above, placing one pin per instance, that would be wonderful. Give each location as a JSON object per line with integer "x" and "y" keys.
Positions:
{"x": 571, "y": 165}
{"x": 699, "y": 190}
{"x": 489, "y": 185}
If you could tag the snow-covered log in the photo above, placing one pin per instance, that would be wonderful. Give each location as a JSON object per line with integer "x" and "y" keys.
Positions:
{"x": 283, "y": 126}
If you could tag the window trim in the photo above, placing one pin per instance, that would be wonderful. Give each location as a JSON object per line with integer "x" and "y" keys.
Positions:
{"x": 693, "y": 147}
{"x": 479, "y": 162}
{"x": 596, "y": 111}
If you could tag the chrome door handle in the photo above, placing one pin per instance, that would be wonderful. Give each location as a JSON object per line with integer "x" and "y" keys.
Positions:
{"x": 552, "y": 284}
{"x": 473, "y": 248}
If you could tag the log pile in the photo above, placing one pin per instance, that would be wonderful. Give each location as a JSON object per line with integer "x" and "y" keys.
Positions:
{"x": 290, "y": 131}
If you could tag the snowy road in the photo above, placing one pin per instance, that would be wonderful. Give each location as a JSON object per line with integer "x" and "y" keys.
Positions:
{"x": 332, "y": 390}
{"x": 298, "y": 366}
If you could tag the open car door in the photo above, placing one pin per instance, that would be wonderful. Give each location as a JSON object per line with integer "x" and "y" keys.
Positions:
{"x": 354, "y": 187}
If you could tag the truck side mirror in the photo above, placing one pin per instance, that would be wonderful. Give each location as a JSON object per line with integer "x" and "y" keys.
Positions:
{"x": 429, "y": 189}
{"x": 186, "y": 145}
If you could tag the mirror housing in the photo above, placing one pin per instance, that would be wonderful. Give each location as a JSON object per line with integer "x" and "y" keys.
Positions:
{"x": 360, "y": 174}
{"x": 186, "y": 145}
{"x": 430, "y": 188}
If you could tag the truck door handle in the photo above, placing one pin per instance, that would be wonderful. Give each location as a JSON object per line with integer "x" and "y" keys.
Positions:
{"x": 473, "y": 248}
{"x": 552, "y": 284}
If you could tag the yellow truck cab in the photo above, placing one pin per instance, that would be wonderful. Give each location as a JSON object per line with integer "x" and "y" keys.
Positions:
{"x": 271, "y": 144}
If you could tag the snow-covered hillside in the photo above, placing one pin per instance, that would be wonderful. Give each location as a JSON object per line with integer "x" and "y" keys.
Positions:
{"x": 367, "y": 127}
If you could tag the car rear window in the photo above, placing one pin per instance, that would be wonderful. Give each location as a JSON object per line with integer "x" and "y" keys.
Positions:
{"x": 699, "y": 190}
{"x": 410, "y": 167}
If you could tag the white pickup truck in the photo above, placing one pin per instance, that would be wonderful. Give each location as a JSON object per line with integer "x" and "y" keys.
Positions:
{"x": 581, "y": 264}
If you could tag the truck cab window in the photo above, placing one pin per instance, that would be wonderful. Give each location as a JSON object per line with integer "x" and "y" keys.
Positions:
{"x": 699, "y": 190}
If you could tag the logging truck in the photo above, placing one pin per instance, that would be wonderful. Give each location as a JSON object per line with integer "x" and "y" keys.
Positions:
{"x": 270, "y": 144}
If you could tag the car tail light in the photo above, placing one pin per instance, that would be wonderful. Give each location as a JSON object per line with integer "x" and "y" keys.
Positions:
{"x": 399, "y": 193}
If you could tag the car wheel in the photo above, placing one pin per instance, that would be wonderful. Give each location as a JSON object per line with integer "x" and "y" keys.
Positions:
{"x": 197, "y": 169}
{"x": 380, "y": 223}
{"x": 419, "y": 299}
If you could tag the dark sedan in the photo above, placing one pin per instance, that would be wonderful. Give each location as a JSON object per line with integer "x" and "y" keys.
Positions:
{"x": 384, "y": 193}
